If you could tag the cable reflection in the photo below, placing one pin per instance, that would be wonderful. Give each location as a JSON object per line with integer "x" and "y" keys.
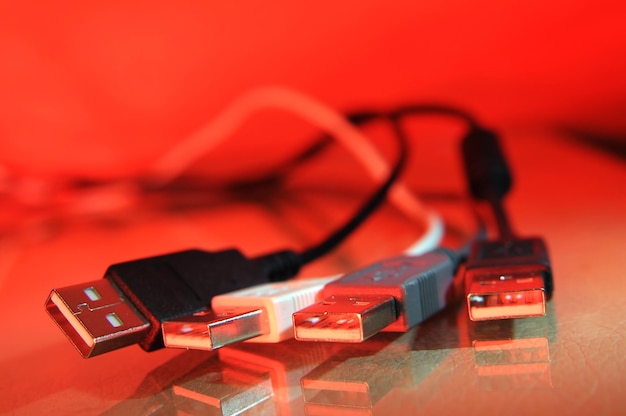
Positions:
{"x": 354, "y": 380}
{"x": 320, "y": 379}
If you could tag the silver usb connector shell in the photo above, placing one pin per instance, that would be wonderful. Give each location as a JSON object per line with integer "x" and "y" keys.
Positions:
{"x": 96, "y": 317}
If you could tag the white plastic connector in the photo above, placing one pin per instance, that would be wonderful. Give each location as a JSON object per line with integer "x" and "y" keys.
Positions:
{"x": 259, "y": 314}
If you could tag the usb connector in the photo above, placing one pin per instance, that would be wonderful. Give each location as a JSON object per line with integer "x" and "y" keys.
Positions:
{"x": 96, "y": 317}
{"x": 508, "y": 279}
{"x": 393, "y": 295}
{"x": 347, "y": 318}
{"x": 259, "y": 314}
{"x": 128, "y": 306}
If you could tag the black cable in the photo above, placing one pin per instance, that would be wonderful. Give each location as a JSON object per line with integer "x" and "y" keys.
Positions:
{"x": 373, "y": 202}
{"x": 288, "y": 262}
{"x": 486, "y": 169}
{"x": 488, "y": 175}
{"x": 505, "y": 232}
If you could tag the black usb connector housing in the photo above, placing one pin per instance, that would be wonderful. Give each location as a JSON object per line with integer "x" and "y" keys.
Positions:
{"x": 508, "y": 279}
{"x": 135, "y": 297}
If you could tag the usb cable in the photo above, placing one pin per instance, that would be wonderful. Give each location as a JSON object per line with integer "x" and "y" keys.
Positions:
{"x": 507, "y": 277}
{"x": 138, "y": 299}
{"x": 129, "y": 305}
{"x": 392, "y": 295}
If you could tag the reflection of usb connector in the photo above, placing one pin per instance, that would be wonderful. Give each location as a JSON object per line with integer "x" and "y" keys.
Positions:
{"x": 260, "y": 314}
{"x": 216, "y": 388}
{"x": 393, "y": 295}
{"x": 508, "y": 279}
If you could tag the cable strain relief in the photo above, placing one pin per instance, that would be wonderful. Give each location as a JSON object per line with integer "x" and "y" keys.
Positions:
{"x": 280, "y": 265}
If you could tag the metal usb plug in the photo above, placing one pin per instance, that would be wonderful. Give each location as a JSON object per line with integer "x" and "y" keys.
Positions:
{"x": 96, "y": 317}
{"x": 209, "y": 330}
{"x": 393, "y": 295}
{"x": 345, "y": 318}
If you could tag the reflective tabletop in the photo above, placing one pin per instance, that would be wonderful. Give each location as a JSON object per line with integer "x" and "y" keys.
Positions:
{"x": 570, "y": 361}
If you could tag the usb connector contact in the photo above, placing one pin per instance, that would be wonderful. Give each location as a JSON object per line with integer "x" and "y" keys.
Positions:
{"x": 392, "y": 295}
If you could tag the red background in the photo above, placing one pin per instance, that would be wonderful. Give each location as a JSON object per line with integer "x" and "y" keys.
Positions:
{"x": 101, "y": 89}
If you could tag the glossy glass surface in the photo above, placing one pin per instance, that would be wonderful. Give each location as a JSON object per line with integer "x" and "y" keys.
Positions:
{"x": 570, "y": 361}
